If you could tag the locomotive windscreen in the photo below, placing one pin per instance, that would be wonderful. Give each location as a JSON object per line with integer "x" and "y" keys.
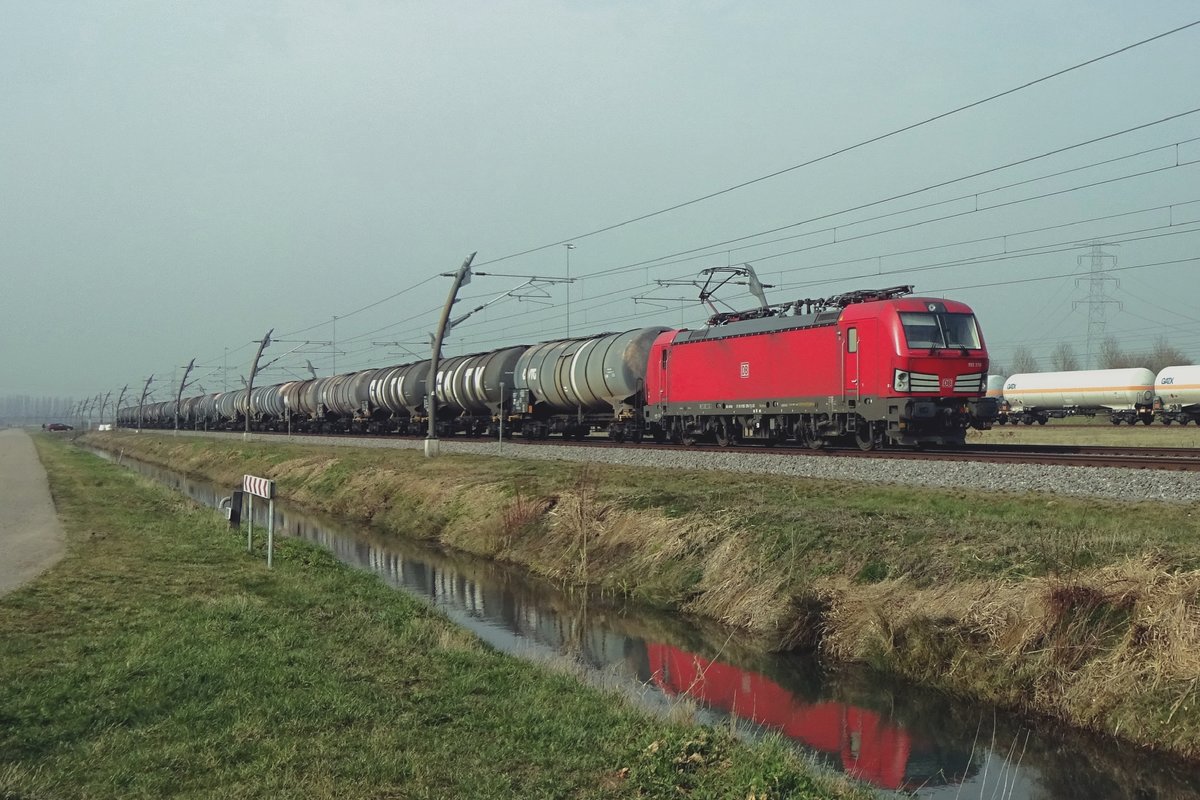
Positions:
{"x": 939, "y": 330}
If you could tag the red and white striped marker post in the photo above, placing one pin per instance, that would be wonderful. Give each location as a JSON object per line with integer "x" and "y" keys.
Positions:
{"x": 264, "y": 488}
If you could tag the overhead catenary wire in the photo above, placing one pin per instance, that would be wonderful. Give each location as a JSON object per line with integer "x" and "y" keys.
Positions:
{"x": 846, "y": 149}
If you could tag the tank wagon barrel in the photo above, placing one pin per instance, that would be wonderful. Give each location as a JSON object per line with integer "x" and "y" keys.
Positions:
{"x": 571, "y": 385}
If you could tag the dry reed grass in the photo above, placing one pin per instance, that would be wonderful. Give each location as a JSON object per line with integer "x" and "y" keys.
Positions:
{"x": 1098, "y": 649}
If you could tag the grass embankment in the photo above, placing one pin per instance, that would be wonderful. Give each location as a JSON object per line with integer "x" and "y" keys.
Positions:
{"x": 1084, "y": 610}
{"x": 1096, "y": 432}
{"x": 158, "y": 659}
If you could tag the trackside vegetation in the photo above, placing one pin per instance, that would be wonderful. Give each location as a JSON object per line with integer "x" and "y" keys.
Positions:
{"x": 158, "y": 659}
{"x": 1078, "y": 609}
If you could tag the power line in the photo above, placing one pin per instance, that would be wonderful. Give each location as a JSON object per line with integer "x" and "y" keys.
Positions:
{"x": 846, "y": 149}
{"x": 902, "y": 195}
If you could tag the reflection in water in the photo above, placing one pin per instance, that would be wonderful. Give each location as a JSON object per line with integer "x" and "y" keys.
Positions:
{"x": 894, "y": 736}
{"x": 864, "y": 743}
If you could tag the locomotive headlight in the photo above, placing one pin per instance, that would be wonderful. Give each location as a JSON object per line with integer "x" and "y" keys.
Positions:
{"x": 900, "y": 380}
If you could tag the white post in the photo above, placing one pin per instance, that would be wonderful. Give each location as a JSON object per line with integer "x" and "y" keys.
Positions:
{"x": 270, "y": 529}
{"x": 250, "y": 524}
{"x": 500, "y": 443}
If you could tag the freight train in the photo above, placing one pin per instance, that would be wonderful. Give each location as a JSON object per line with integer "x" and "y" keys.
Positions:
{"x": 1129, "y": 395}
{"x": 872, "y": 367}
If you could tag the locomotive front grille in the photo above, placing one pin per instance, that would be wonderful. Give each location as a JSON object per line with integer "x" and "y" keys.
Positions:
{"x": 969, "y": 383}
{"x": 923, "y": 382}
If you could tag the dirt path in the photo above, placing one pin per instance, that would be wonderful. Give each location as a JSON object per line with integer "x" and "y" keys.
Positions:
{"x": 31, "y": 537}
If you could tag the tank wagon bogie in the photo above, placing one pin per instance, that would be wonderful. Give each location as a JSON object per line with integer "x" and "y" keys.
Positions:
{"x": 1124, "y": 395}
{"x": 1178, "y": 395}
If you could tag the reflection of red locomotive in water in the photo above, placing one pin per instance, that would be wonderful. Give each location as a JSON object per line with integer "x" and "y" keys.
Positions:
{"x": 868, "y": 746}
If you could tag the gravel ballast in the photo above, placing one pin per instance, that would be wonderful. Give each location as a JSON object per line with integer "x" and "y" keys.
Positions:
{"x": 1110, "y": 483}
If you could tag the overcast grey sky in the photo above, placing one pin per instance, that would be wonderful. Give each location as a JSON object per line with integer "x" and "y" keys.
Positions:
{"x": 176, "y": 178}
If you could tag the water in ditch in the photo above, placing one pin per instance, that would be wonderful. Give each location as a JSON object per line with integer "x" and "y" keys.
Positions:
{"x": 898, "y": 738}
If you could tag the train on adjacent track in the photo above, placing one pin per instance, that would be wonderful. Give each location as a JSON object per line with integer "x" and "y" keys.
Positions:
{"x": 1129, "y": 395}
{"x": 873, "y": 367}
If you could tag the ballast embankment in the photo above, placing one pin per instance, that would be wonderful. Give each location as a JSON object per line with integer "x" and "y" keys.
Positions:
{"x": 1082, "y": 610}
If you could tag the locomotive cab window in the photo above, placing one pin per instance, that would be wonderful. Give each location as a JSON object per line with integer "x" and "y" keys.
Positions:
{"x": 940, "y": 330}
{"x": 852, "y": 340}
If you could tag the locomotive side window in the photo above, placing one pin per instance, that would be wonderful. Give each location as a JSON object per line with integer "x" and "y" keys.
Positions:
{"x": 938, "y": 330}
{"x": 852, "y": 340}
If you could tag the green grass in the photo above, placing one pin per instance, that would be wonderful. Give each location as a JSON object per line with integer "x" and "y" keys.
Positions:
{"x": 158, "y": 659}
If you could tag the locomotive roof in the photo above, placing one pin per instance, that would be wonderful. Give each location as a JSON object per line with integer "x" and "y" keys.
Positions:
{"x": 820, "y": 319}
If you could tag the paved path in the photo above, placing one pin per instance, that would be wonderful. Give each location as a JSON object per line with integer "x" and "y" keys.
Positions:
{"x": 31, "y": 537}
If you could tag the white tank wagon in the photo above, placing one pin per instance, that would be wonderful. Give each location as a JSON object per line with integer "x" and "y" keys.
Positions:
{"x": 995, "y": 386}
{"x": 1122, "y": 394}
{"x": 267, "y": 406}
{"x": 572, "y": 385}
{"x": 347, "y": 397}
{"x": 1177, "y": 391}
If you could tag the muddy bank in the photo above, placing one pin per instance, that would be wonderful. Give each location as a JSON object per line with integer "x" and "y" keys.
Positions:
{"x": 1085, "y": 612}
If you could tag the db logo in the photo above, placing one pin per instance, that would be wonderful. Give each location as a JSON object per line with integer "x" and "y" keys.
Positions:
{"x": 947, "y": 383}
{"x": 745, "y": 369}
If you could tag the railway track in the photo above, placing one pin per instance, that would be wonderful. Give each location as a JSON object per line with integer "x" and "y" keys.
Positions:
{"x": 1181, "y": 459}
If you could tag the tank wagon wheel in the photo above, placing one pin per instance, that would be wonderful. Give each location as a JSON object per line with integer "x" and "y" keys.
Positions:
{"x": 1116, "y": 420}
{"x": 1042, "y": 421}
{"x": 1183, "y": 422}
{"x": 1166, "y": 421}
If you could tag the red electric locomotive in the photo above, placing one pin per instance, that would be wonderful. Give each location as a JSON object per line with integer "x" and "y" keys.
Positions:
{"x": 875, "y": 366}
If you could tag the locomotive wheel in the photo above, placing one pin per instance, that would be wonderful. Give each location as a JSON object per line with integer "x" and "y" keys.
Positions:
{"x": 660, "y": 436}
{"x": 864, "y": 435}
{"x": 723, "y": 436}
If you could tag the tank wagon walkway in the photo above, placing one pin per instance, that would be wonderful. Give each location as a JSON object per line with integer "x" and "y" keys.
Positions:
{"x": 31, "y": 536}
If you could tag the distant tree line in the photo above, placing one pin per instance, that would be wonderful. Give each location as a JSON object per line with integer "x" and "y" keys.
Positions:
{"x": 25, "y": 409}
{"x": 1064, "y": 358}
